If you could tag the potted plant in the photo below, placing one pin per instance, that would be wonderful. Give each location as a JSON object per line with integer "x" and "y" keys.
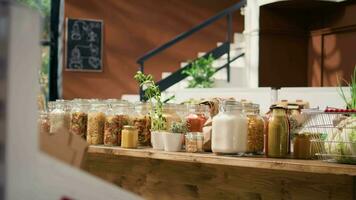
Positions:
{"x": 201, "y": 73}
{"x": 153, "y": 95}
{"x": 174, "y": 139}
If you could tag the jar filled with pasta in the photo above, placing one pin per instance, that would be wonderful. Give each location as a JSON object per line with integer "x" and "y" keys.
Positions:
{"x": 255, "y": 125}
{"x": 96, "y": 122}
{"x": 59, "y": 118}
{"x": 140, "y": 118}
{"x": 116, "y": 118}
{"x": 79, "y": 118}
{"x": 198, "y": 115}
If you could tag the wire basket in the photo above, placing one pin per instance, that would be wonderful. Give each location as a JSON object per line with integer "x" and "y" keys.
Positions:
{"x": 332, "y": 134}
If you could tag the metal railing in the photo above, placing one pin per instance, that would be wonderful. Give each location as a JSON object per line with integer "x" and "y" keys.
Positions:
{"x": 216, "y": 52}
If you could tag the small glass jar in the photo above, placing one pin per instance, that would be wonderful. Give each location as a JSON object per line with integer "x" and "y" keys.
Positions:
{"x": 79, "y": 118}
{"x": 198, "y": 115}
{"x": 278, "y": 133}
{"x": 256, "y": 126}
{"x": 194, "y": 142}
{"x": 229, "y": 129}
{"x": 96, "y": 122}
{"x": 302, "y": 146}
{"x": 170, "y": 115}
{"x": 140, "y": 118}
{"x": 116, "y": 118}
{"x": 129, "y": 137}
{"x": 59, "y": 118}
{"x": 43, "y": 123}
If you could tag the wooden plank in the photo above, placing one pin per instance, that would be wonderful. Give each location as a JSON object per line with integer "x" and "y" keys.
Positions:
{"x": 310, "y": 166}
{"x": 168, "y": 179}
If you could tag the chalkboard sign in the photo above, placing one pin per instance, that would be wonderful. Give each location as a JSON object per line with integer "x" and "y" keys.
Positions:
{"x": 84, "y": 40}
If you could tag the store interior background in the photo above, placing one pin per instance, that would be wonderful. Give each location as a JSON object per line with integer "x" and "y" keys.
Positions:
{"x": 308, "y": 44}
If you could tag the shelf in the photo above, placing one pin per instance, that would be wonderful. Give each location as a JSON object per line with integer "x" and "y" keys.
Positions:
{"x": 308, "y": 166}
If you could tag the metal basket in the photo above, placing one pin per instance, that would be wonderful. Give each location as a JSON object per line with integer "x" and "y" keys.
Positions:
{"x": 332, "y": 134}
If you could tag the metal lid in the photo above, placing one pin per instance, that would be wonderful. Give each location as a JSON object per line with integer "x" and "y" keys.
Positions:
{"x": 129, "y": 127}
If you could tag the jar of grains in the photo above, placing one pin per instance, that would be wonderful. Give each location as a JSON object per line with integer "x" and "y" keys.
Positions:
{"x": 116, "y": 118}
{"x": 194, "y": 142}
{"x": 229, "y": 129}
{"x": 255, "y": 132}
{"x": 79, "y": 118}
{"x": 59, "y": 117}
{"x": 96, "y": 122}
{"x": 139, "y": 117}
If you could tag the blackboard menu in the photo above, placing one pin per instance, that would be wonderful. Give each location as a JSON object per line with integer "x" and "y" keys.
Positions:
{"x": 84, "y": 41}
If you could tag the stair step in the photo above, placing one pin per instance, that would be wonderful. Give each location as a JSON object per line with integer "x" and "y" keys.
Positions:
{"x": 239, "y": 38}
{"x": 233, "y": 46}
{"x": 165, "y": 74}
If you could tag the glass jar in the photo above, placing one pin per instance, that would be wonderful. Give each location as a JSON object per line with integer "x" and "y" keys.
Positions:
{"x": 96, "y": 122}
{"x": 140, "y": 118}
{"x": 229, "y": 129}
{"x": 170, "y": 115}
{"x": 79, "y": 118}
{"x": 198, "y": 115}
{"x": 302, "y": 146}
{"x": 59, "y": 118}
{"x": 278, "y": 133}
{"x": 256, "y": 125}
{"x": 43, "y": 123}
{"x": 116, "y": 118}
{"x": 129, "y": 137}
{"x": 194, "y": 142}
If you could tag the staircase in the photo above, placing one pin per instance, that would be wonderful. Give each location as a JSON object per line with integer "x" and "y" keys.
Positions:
{"x": 237, "y": 67}
{"x": 227, "y": 54}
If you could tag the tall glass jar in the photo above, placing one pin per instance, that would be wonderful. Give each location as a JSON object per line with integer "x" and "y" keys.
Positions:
{"x": 116, "y": 118}
{"x": 198, "y": 115}
{"x": 256, "y": 125}
{"x": 278, "y": 133}
{"x": 170, "y": 115}
{"x": 79, "y": 118}
{"x": 96, "y": 122}
{"x": 59, "y": 118}
{"x": 43, "y": 123}
{"x": 229, "y": 129}
{"x": 140, "y": 118}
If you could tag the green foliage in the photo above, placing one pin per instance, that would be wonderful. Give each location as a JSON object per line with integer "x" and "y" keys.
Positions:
{"x": 202, "y": 72}
{"x": 351, "y": 104}
{"x": 179, "y": 127}
{"x": 153, "y": 94}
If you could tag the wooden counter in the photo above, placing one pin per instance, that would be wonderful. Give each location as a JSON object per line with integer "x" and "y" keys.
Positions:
{"x": 179, "y": 175}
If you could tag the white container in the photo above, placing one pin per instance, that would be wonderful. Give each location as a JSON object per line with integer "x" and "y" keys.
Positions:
{"x": 157, "y": 140}
{"x": 229, "y": 130}
{"x": 173, "y": 141}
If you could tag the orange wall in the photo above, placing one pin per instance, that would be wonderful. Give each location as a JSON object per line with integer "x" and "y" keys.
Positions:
{"x": 133, "y": 27}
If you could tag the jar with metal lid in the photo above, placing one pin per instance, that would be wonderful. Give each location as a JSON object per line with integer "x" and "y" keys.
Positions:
{"x": 198, "y": 115}
{"x": 116, "y": 118}
{"x": 43, "y": 123}
{"x": 96, "y": 122}
{"x": 256, "y": 126}
{"x": 194, "y": 142}
{"x": 170, "y": 115}
{"x": 140, "y": 118}
{"x": 229, "y": 129}
{"x": 79, "y": 118}
{"x": 129, "y": 137}
{"x": 278, "y": 133}
{"x": 59, "y": 118}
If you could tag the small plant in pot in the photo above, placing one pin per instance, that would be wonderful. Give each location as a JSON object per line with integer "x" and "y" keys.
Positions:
{"x": 174, "y": 139}
{"x": 153, "y": 95}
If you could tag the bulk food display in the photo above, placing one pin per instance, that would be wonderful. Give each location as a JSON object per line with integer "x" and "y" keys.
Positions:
{"x": 256, "y": 126}
{"x": 140, "y": 118}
